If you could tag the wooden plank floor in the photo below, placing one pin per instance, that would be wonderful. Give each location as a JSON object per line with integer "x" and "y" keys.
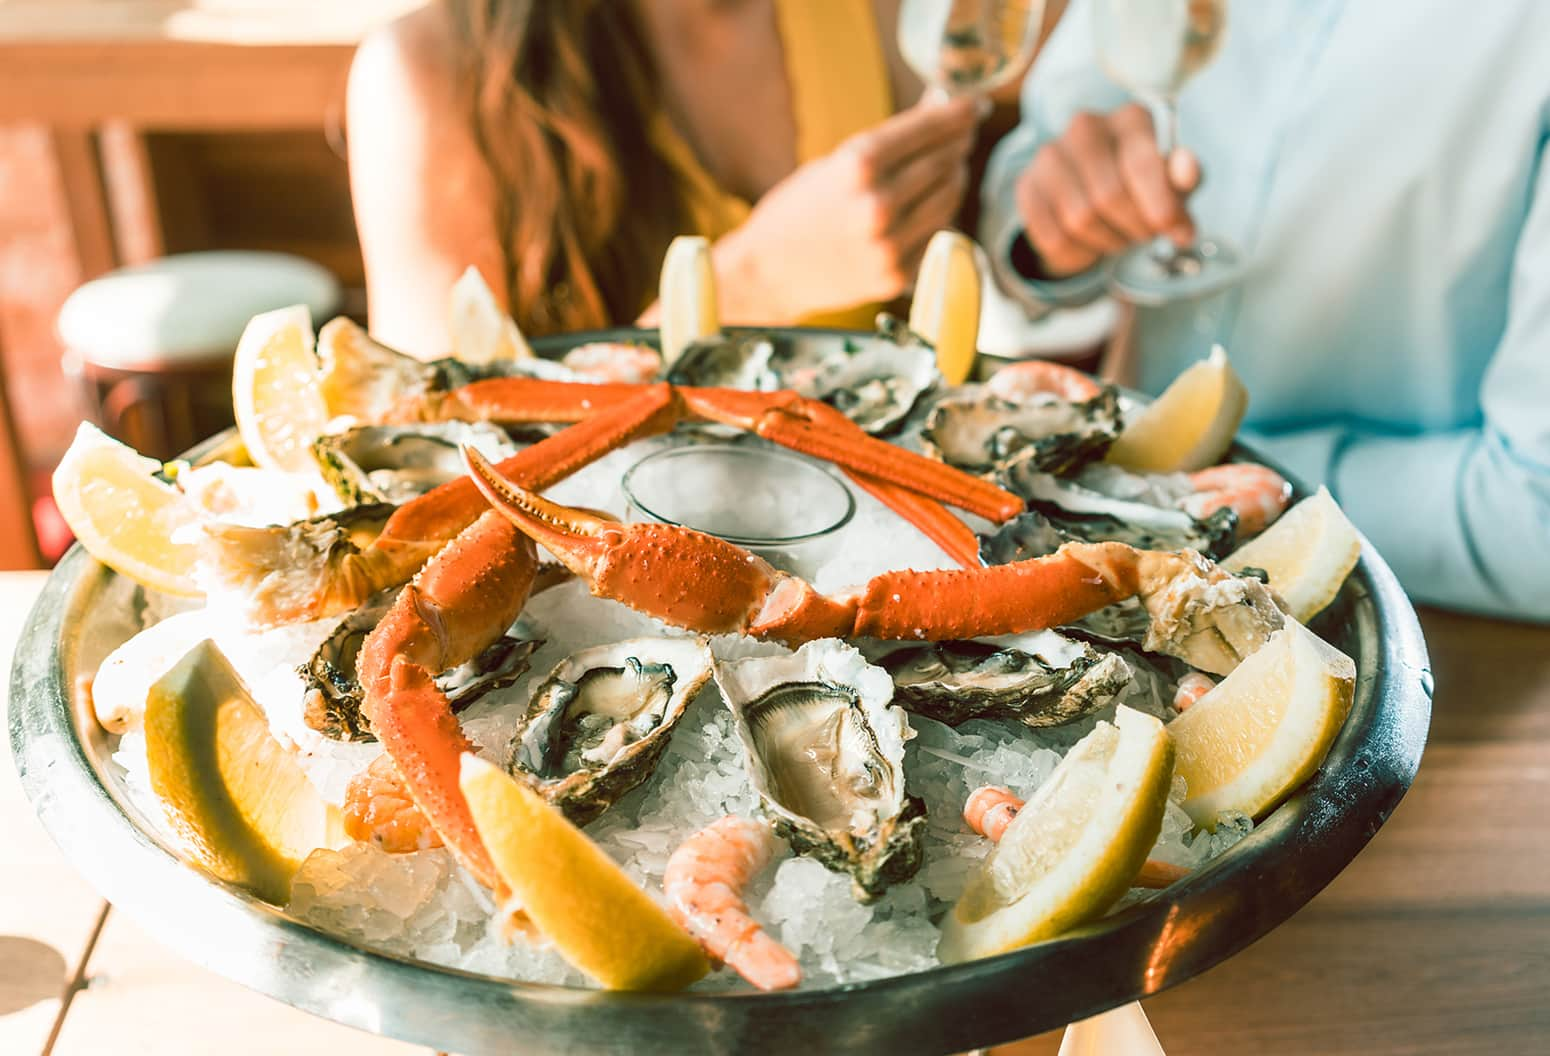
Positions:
{"x": 1435, "y": 941}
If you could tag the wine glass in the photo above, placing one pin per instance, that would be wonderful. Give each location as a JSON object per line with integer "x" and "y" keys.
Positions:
{"x": 1152, "y": 47}
{"x": 969, "y": 47}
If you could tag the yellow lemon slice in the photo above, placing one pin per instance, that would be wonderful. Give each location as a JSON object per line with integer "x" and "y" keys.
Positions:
{"x": 137, "y": 525}
{"x": 1191, "y": 425}
{"x": 1075, "y": 846}
{"x": 275, "y": 390}
{"x": 1307, "y": 554}
{"x": 481, "y": 331}
{"x": 687, "y": 296}
{"x": 581, "y": 901}
{"x": 1265, "y": 728}
{"x": 946, "y": 307}
{"x": 236, "y": 797}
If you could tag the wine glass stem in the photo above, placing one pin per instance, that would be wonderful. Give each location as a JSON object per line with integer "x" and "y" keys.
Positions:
{"x": 1165, "y": 119}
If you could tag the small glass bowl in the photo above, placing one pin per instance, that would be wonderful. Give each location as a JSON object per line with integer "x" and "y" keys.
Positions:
{"x": 780, "y": 506}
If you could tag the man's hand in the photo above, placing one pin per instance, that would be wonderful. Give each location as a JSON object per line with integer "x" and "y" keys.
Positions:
{"x": 1101, "y": 188}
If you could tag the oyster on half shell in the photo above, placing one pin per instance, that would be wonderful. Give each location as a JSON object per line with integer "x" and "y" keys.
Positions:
{"x": 1039, "y": 679}
{"x": 983, "y": 433}
{"x": 395, "y": 463}
{"x": 597, "y": 726}
{"x": 877, "y": 385}
{"x": 825, "y": 753}
{"x": 331, "y": 701}
{"x": 1078, "y": 512}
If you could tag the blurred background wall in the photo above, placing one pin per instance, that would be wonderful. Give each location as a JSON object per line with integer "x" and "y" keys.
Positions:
{"x": 133, "y": 128}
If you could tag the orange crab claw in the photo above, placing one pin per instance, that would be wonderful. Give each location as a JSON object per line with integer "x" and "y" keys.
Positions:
{"x": 683, "y": 577}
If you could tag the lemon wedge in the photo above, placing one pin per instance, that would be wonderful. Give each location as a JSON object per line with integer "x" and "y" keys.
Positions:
{"x": 1188, "y": 427}
{"x": 481, "y": 331}
{"x": 236, "y": 797}
{"x": 581, "y": 901}
{"x": 123, "y": 682}
{"x": 124, "y": 516}
{"x": 1265, "y": 727}
{"x": 687, "y": 296}
{"x": 946, "y": 306}
{"x": 1307, "y": 553}
{"x": 275, "y": 389}
{"x": 1075, "y": 846}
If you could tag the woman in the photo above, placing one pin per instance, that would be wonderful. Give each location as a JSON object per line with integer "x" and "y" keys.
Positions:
{"x": 559, "y": 147}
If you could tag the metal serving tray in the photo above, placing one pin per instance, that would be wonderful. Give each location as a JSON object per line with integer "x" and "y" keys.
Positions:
{"x": 63, "y": 758}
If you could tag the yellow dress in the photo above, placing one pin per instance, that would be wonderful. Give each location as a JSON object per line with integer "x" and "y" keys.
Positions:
{"x": 839, "y": 86}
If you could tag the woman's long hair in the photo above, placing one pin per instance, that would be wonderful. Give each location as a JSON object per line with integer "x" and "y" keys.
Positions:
{"x": 563, "y": 96}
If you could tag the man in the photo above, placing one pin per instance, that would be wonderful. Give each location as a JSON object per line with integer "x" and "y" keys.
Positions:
{"x": 1381, "y": 167}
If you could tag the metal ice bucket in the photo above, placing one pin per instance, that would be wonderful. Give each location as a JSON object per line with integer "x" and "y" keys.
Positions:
{"x": 63, "y": 758}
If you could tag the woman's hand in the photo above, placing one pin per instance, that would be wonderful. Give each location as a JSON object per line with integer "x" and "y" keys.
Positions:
{"x": 850, "y": 227}
{"x": 1101, "y": 188}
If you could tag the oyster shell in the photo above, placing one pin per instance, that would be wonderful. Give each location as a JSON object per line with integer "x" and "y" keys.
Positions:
{"x": 1039, "y": 679}
{"x": 825, "y": 753}
{"x": 599, "y": 723}
{"x": 395, "y": 463}
{"x": 741, "y": 361}
{"x": 1061, "y": 511}
{"x": 983, "y": 433}
{"x": 331, "y": 703}
{"x": 877, "y": 385}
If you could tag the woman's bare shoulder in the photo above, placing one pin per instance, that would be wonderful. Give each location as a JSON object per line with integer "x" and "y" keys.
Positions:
{"x": 413, "y": 60}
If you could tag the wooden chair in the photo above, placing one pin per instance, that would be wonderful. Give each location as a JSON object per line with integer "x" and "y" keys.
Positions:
{"x": 18, "y": 537}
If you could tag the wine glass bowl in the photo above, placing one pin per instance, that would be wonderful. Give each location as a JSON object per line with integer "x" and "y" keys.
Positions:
{"x": 1153, "y": 48}
{"x": 969, "y": 47}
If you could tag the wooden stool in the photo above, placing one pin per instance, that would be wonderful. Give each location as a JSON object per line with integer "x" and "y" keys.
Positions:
{"x": 152, "y": 345}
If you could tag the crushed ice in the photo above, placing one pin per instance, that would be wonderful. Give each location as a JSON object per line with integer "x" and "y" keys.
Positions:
{"x": 423, "y": 905}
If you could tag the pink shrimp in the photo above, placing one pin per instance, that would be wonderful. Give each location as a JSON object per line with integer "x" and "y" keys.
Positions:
{"x": 990, "y": 809}
{"x": 704, "y": 882}
{"x": 1257, "y": 494}
{"x": 1191, "y": 688}
{"x": 1022, "y": 380}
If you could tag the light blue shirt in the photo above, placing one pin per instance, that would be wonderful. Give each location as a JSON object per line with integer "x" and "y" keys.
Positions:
{"x": 1381, "y": 164}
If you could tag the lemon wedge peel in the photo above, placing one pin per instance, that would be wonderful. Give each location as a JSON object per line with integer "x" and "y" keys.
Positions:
{"x": 1074, "y": 848}
{"x": 1307, "y": 553}
{"x": 124, "y": 516}
{"x": 1190, "y": 425}
{"x": 235, "y": 797}
{"x": 945, "y": 309}
{"x": 1265, "y": 728}
{"x": 276, "y": 390}
{"x": 577, "y": 896}
{"x": 480, "y": 330}
{"x": 687, "y": 296}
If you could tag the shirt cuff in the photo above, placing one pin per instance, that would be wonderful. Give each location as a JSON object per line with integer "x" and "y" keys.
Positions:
{"x": 1010, "y": 254}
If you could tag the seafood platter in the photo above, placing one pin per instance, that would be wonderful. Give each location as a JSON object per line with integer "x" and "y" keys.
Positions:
{"x": 394, "y": 705}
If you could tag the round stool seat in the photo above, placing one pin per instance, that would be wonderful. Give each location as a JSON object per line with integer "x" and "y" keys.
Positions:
{"x": 153, "y": 344}
{"x": 186, "y": 308}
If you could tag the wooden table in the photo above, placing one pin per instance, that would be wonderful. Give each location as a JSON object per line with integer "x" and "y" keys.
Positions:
{"x": 1435, "y": 940}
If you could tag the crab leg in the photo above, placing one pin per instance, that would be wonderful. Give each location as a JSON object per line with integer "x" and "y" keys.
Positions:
{"x": 814, "y": 428}
{"x": 934, "y": 520}
{"x": 1199, "y": 612}
{"x": 785, "y": 418}
{"x": 458, "y": 605}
